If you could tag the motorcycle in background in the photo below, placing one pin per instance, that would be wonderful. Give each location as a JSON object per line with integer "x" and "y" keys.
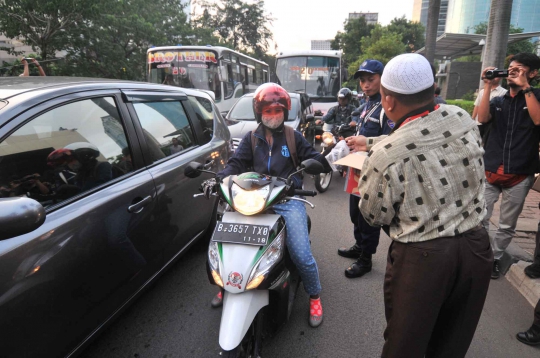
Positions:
{"x": 248, "y": 257}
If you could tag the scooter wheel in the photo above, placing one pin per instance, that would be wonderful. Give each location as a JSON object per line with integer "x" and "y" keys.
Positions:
{"x": 322, "y": 182}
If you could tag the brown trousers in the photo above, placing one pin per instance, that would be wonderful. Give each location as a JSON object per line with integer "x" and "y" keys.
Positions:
{"x": 434, "y": 292}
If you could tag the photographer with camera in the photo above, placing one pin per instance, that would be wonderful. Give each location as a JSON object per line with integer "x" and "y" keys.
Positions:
{"x": 511, "y": 146}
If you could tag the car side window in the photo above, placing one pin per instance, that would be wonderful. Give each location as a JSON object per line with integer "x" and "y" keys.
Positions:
{"x": 205, "y": 112}
{"x": 166, "y": 128}
{"x": 65, "y": 152}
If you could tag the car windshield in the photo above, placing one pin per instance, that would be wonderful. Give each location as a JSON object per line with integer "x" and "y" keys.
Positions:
{"x": 243, "y": 109}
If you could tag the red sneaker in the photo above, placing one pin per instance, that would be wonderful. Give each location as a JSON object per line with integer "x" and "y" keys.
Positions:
{"x": 315, "y": 312}
{"x": 217, "y": 301}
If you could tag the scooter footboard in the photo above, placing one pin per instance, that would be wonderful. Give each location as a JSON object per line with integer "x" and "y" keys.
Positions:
{"x": 239, "y": 311}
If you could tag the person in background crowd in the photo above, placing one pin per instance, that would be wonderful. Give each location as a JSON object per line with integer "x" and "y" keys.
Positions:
{"x": 511, "y": 148}
{"x": 341, "y": 113}
{"x": 424, "y": 184}
{"x": 496, "y": 91}
{"x": 438, "y": 98}
{"x": 175, "y": 147}
{"x": 26, "y": 71}
{"x": 373, "y": 122}
{"x": 532, "y": 335}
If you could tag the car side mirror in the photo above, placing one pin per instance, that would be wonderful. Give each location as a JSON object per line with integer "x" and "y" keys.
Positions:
{"x": 193, "y": 170}
{"x": 20, "y": 216}
{"x": 312, "y": 167}
{"x": 310, "y": 118}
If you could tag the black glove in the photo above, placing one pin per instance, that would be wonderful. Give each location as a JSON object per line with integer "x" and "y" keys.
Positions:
{"x": 208, "y": 187}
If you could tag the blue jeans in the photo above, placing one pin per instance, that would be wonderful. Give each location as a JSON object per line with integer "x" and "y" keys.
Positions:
{"x": 294, "y": 213}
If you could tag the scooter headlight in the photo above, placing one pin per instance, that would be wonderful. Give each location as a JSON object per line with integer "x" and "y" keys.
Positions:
{"x": 213, "y": 260}
{"x": 271, "y": 256}
{"x": 328, "y": 138}
{"x": 249, "y": 202}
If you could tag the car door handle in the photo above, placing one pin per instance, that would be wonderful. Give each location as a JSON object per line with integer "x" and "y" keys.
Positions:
{"x": 138, "y": 206}
{"x": 208, "y": 165}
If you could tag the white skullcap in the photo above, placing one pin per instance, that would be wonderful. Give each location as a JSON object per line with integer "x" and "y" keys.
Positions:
{"x": 407, "y": 74}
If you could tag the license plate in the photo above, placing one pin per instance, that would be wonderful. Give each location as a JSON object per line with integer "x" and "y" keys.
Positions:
{"x": 241, "y": 233}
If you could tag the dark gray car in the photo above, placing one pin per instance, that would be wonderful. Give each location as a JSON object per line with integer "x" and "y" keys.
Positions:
{"x": 94, "y": 204}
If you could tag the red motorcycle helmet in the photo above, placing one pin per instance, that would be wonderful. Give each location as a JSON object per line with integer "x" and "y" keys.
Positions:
{"x": 59, "y": 157}
{"x": 270, "y": 95}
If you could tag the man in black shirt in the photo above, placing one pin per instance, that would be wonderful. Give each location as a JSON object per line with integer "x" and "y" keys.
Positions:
{"x": 511, "y": 148}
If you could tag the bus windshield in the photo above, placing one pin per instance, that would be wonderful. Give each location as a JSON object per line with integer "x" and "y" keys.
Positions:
{"x": 188, "y": 69}
{"x": 317, "y": 76}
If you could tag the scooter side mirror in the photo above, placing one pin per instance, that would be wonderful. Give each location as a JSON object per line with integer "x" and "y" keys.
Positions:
{"x": 310, "y": 118}
{"x": 193, "y": 170}
{"x": 312, "y": 167}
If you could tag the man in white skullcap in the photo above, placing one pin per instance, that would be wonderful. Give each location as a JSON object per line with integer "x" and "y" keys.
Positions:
{"x": 424, "y": 184}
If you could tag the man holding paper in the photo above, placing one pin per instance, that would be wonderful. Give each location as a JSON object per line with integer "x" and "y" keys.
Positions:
{"x": 424, "y": 183}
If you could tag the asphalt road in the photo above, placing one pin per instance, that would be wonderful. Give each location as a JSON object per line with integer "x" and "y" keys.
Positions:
{"x": 174, "y": 318}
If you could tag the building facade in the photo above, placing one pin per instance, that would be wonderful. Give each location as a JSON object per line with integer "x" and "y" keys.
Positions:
{"x": 420, "y": 14}
{"x": 464, "y": 15}
{"x": 321, "y": 44}
{"x": 372, "y": 18}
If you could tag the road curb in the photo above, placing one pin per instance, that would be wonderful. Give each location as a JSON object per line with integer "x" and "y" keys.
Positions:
{"x": 528, "y": 287}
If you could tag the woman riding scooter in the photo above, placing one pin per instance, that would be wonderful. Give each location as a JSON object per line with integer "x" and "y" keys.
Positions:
{"x": 271, "y": 155}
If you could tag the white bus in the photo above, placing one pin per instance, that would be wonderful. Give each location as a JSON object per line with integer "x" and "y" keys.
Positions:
{"x": 227, "y": 73}
{"x": 318, "y": 73}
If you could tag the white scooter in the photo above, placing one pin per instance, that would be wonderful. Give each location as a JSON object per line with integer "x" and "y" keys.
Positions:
{"x": 248, "y": 257}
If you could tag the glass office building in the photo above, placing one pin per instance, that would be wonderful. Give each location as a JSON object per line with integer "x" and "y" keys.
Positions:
{"x": 420, "y": 14}
{"x": 464, "y": 15}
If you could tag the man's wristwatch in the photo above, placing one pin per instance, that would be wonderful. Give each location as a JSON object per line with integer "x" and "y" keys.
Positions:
{"x": 528, "y": 90}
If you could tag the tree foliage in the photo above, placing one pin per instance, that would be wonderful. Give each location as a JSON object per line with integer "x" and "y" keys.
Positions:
{"x": 238, "y": 24}
{"x": 514, "y": 48}
{"x": 114, "y": 44}
{"x": 382, "y": 45}
{"x": 413, "y": 33}
{"x": 349, "y": 40}
{"x": 44, "y": 25}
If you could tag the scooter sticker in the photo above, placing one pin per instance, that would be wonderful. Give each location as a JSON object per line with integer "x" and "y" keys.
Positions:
{"x": 235, "y": 280}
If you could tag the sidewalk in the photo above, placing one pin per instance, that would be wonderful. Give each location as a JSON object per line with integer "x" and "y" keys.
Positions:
{"x": 522, "y": 247}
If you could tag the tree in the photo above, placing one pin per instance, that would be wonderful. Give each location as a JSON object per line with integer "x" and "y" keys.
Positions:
{"x": 44, "y": 25}
{"x": 514, "y": 48}
{"x": 497, "y": 34}
{"x": 432, "y": 25}
{"x": 381, "y": 45}
{"x": 349, "y": 41}
{"x": 241, "y": 25}
{"x": 412, "y": 33}
{"x": 114, "y": 44}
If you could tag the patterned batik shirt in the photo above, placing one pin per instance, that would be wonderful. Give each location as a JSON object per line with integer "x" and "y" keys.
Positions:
{"x": 426, "y": 179}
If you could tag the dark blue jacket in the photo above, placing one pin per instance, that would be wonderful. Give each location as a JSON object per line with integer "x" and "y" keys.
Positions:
{"x": 370, "y": 116}
{"x": 276, "y": 162}
{"x": 339, "y": 115}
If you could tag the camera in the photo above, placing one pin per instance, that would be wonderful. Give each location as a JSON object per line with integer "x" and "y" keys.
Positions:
{"x": 491, "y": 74}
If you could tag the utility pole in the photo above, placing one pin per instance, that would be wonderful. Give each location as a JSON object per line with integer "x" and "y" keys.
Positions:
{"x": 497, "y": 34}
{"x": 431, "y": 32}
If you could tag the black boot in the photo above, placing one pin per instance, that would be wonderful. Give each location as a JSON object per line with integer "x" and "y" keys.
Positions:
{"x": 351, "y": 252}
{"x": 530, "y": 336}
{"x": 533, "y": 271}
{"x": 495, "y": 270}
{"x": 360, "y": 267}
